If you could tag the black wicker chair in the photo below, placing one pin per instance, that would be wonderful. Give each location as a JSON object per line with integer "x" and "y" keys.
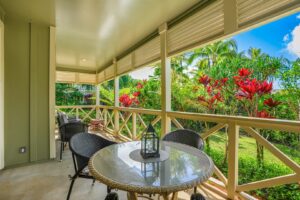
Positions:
{"x": 83, "y": 146}
{"x": 67, "y": 130}
{"x": 191, "y": 138}
{"x": 62, "y": 118}
{"x": 185, "y": 136}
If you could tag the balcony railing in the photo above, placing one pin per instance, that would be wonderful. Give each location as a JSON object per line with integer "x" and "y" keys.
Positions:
{"x": 130, "y": 123}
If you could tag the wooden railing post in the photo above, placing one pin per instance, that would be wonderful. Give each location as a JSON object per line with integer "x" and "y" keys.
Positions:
{"x": 97, "y": 101}
{"x": 134, "y": 126}
{"x": 105, "y": 117}
{"x": 165, "y": 81}
{"x": 233, "y": 137}
{"x": 77, "y": 112}
{"x": 116, "y": 95}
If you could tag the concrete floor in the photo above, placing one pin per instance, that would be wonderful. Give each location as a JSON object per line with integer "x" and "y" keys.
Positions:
{"x": 49, "y": 181}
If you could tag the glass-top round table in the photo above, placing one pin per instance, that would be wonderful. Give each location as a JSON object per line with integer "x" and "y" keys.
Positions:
{"x": 183, "y": 167}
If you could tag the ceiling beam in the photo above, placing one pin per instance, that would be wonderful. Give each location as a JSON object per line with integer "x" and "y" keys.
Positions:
{"x": 65, "y": 69}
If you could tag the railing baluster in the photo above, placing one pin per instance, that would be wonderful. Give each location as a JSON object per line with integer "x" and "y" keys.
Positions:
{"x": 77, "y": 112}
{"x": 233, "y": 137}
{"x": 105, "y": 117}
{"x": 134, "y": 126}
{"x": 97, "y": 113}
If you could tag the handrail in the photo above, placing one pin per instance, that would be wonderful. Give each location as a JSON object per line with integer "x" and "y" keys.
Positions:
{"x": 75, "y": 106}
{"x": 132, "y": 123}
{"x": 277, "y": 124}
{"x": 139, "y": 110}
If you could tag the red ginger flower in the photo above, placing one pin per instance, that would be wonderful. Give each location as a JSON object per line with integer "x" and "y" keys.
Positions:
{"x": 201, "y": 98}
{"x": 244, "y": 72}
{"x": 212, "y": 100}
{"x": 271, "y": 103}
{"x": 224, "y": 80}
{"x": 136, "y": 94}
{"x": 265, "y": 87}
{"x": 124, "y": 97}
{"x": 135, "y": 100}
{"x": 205, "y": 80}
{"x": 248, "y": 88}
{"x": 216, "y": 83}
{"x": 209, "y": 89}
{"x": 125, "y": 100}
{"x": 218, "y": 96}
{"x": 139, "y": 86}
{"x": 237, "y": 79}
{"x": 264, "y": 114}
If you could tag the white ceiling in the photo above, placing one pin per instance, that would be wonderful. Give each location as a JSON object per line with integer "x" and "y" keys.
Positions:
{"x": 91, "y": 33}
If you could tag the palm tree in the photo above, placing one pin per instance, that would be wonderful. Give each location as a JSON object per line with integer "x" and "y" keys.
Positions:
{"x": 214, "y": 53}
{"x": 254, "y": 53}
{"x": 179, "y": 64}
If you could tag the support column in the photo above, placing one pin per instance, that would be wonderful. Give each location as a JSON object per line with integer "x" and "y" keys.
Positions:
{"x": 97, "y": 101}
{"x": 233, "y": 142}
{"x": 116, "y": 95}
{"x": 1, "y": 95}
{"x": 52, "y": 73}
{"x": 165, "y": 81}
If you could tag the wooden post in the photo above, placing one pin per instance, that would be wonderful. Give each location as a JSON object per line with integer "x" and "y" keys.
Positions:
{"x": 116, "y": 95}
{"x": 77, "y": 112}
{"x": 2, "y": 97}
{"x": 233, "y": 137}
{"x": 105, "y": 117}
{"x": 165, "y": 81}
{"x": 97, "y": 101}
{"x": 134, "y": 126}
{"x": 52, "y": 74}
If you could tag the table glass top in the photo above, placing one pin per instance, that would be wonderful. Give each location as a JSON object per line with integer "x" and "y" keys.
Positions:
{"x": 184, "y": 165}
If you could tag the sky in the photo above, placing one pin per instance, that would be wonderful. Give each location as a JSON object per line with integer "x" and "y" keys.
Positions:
{"x": 280, "y": 38}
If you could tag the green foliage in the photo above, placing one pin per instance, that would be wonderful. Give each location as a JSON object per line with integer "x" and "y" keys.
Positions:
{"x": 221, "y": 60}
{"x": 150, "y": 96}
{"x": 73, "y": 94}
{"x": 107, "y": 96}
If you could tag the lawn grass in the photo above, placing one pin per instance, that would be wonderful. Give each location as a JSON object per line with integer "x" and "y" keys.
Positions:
{"x": 247, "y": 148}
{"x": 250, "y": 171}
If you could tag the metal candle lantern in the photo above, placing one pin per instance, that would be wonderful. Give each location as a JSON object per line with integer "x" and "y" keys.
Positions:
{"x": 149, "y": 143}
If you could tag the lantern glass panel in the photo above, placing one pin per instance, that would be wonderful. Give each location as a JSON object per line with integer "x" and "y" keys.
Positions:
{"x": 150, "y": 143}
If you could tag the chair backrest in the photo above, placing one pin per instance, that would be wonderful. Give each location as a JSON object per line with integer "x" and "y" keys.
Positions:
{"x": 69, "y": 129}
{"x": 84, "y": 145}
{"x": 58, "y": 118}
{"x": 61, "y": 118}
{"x": 185, "y": 136}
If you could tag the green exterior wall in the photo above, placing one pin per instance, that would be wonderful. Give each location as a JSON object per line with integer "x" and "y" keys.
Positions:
{"x": 26, "y": 91}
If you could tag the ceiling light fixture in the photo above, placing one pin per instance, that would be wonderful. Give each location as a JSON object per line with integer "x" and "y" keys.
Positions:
{"x": 83, "y": 60}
